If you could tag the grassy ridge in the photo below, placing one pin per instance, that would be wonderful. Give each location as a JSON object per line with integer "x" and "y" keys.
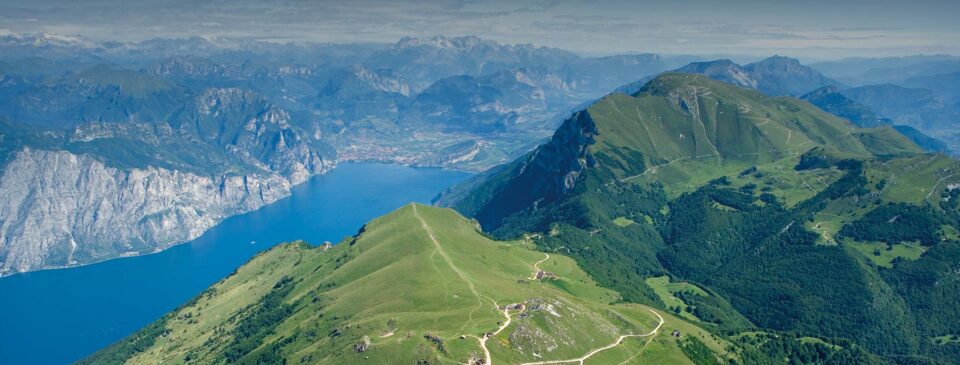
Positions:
{"x": 419, "y": 285}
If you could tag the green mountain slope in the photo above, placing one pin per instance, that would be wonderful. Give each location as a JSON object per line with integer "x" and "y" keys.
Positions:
{"x": 788, "y": 218}
{"x": 419, "y": 285}
{"x": 680, "y": 130}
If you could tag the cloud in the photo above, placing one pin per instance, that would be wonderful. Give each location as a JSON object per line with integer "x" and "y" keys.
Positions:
{"x": 812, "y": 28}
{"x": 538, "y": 6}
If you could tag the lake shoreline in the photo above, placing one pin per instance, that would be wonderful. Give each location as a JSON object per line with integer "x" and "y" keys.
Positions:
{"x": 87, "y": 307}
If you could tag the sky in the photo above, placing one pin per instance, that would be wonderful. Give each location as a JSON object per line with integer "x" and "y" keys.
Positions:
{"x": 811, "y": 29}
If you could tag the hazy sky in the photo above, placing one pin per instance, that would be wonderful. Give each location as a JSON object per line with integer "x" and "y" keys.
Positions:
{"x": 810, "y": 29}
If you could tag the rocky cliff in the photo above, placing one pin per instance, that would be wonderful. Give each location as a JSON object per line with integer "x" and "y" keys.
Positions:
{"x": 111, "y": 189}
{"x": 60, "y": 209}
{"x": 547, "y": 174}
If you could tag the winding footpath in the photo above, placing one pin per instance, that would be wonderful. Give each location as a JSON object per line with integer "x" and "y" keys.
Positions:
{"x": 449, "y": 262}
{"x": 580, "y": 360}
{"x": 473, "y": 289}
{"x": 488, "y": 360}
{"x": 536, "y": 267}
{"x": 483, "y": 339}
{"x": 655, "y": 167}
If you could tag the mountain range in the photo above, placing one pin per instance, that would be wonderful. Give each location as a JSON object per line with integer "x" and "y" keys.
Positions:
{"x": 101, "y": 190}
{"x": 145, "y": 145}
{"x": 859, "y": 71}
{"x": 777, "y": 76}
{"x": 691, "y": 222}
{"x": 919, "y": 91}
{"x": 832, "y": 100}
{"x": 752, "y": 198}
{"x": 239, "y": 122}
{"x": 688, "y": 217}
{"x": 926, "y": 116}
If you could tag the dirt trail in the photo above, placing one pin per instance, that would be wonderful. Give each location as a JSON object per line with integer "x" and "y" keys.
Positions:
{"x": 506, "y": 314}
{"x": 449, "y": 262}
{"x": 580, "y": 360}
{"x": 763, "y": 123}
{"x": 536, "y": 267}
{"x": 483, "y": 339}
{"x": 473, "y": 289}
{"x": 653, "y": 168}
{"x": 488, "y": 360}
{"x": 934, "y": 188}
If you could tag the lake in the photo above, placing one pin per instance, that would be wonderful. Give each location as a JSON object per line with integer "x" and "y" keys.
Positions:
{"x": 59, "y": 316}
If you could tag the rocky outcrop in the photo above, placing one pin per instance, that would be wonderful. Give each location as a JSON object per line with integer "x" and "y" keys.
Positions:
{"x": 110, "y": 189}
{"x": 542, "y": 177}
{"x": 60, "y": 209}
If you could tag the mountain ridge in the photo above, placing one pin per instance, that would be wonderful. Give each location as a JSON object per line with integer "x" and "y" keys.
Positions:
{"x": 364, "y": 300}
{"x": 647, "y": 186}
{"x": 676, "y": 97}
{"x": 776, "y": 75}
{"x": 832, "y": 100}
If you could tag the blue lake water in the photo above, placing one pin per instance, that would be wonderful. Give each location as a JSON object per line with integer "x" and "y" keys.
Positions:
{"x": 59, "y": 316}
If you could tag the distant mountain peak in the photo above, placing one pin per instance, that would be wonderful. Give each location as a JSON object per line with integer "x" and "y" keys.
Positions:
{"x": 781, "y": 64}
{"x": 636, "y": 59}
{"x": 216, "y": 100}
{"x": 462, "y": 43}
{"x": 521, "y": 75}
{"x": 723, "y": 70}
{"x": 186, "y": 65}
{"x": 829, "y": 99}
{"x": 382, "y": 80}
{"x": 720, "y": 62}
{"x": 40, "y": 39}
{"x": 829, "y": 89}
{"x": 440, "y": 41}
{"x": 672, "y": 82}
{"x": 780, "y": 59}
{"x": 776, "y": 75}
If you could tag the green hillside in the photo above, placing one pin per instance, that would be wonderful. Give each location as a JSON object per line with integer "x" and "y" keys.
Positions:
{"x": 788, "y": 219}
{"x": 690, "y": 128}
{"x": 420, "y": 285}
{"x": 679, "y": 130}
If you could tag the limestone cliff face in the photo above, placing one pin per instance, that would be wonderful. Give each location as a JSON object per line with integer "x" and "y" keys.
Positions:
{"x": 59, "y": 209}
{"x": 145, "y": 186}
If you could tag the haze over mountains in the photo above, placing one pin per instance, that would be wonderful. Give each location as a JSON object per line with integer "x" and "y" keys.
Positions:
{"x": 717, "y": 202}
{"x": 662, "y": 193}
{"x": 257, "y": 117}
{"x": 120, "y": 128}
{"x": 919, "y": 91}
